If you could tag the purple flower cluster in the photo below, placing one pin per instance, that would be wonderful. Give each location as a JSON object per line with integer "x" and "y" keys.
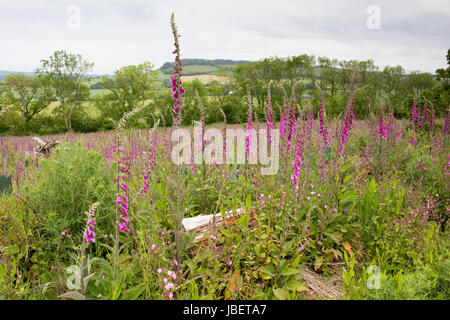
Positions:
{"x": 446, "y": 129}
{"x": 167, "y": 281}
{"x": 390, "y": 124}
{"x": 89, "y": 234}
{"x": 122, "y": 202}
{"x": 145, "y": 174}
{"x": 414, "y": 111}
{"x": 424, "y": 115}
{"x": 349, "y": 116}
{"x": 248, "y": 138}
{"x": 122, "y": 199}
{"x": 269, "y": 124}
{"x": 413, "y": 141}
{"x": 297, "y": 162}
{"x": 292, "y": 121}
{"x": 310, "y": 123}
{"x": 177, "y": 91}
{"x": 431, "y": 119}
{"x": 390, "y": 129}
{"x": 382, "y": 130}
{"x": 283, "y": 124}
{"x": 323, "y": 127}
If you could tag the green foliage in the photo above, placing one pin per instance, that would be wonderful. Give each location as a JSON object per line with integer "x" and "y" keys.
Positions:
{"x": 64, "y": 187}
{"x": 426, "y": 283}
{"x": 65, "y": 73}
{"x": 131, "y": 87}
{"x": 139, "y": 84}
{"x": 33, "y": 94}
{"x": 422, "y": 165}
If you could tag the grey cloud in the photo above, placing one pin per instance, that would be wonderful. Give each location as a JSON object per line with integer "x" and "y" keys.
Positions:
{"x": 118, "y": 32}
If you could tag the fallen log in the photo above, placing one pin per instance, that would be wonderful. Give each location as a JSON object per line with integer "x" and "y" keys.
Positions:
{"x": 205, "y": 224}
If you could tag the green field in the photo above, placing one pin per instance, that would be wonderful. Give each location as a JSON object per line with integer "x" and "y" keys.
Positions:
{"x": 88, "y": 106}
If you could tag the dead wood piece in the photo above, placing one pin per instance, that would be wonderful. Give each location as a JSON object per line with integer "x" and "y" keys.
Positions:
{"x": 205, "y": 224}
{"x": 44, "y": 147}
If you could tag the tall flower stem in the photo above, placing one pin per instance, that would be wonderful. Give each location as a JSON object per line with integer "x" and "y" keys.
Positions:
{"x": 323, "y": 132}
{"x": 118, "y": 137}
{"x": 202, "y": 147}
{"x": 116, "y": 238}
{"x": 177, "y": 92}
{"x": 83, "y": 248}
{"x": 249, "y": 138}
{"x": 88, "y": 237}
{"x": 269, "y": 114}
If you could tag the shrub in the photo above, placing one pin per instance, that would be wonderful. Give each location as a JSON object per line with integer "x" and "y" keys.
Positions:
{"x": 64, "y": 187}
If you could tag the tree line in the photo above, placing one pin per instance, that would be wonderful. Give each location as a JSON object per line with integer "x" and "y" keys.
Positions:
{"x": 60, "y": 85}
{"x": 168, "y": 66}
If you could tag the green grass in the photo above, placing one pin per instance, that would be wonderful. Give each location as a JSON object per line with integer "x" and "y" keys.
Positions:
{"x": 88, "y": 106}
{"x": 99, "y": 92}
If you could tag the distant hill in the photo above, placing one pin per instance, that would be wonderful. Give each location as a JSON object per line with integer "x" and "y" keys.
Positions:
{"x": 5, "y": 73}
{"x": 202, "y": 66}
{"x": 191, "y": 67}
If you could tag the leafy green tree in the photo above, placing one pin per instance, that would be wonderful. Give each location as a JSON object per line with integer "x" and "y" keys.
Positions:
{"x": 299, "y": 67}
{"x": 346, "y": 70}
{"x": 66, "y": 72}
{"x": 439, "y": 98}
{"x": 419, "y": 81}
{"x": 443, "y": 75}
{"x": 443, "y": 89}
{"x": 131, "y": 87}
{"x": 218, "y": 93}
{"x": 9, "y": 117}
{"x": 328, "y": 74}
{"x": 392, "y": 82}
{"x": 256, "y": 76}
{"x": 33, "y": 94}
{"x": 3, "y": 90}
{"x": 3, "y": 105}
{"x": 245, "y": 75}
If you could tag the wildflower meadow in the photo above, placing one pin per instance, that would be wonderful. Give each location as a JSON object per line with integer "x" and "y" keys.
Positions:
{"x": 299, "y": 201}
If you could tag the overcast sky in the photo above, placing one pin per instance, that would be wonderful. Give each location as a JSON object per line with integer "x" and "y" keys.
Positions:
{"x": 115, "y": 33}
